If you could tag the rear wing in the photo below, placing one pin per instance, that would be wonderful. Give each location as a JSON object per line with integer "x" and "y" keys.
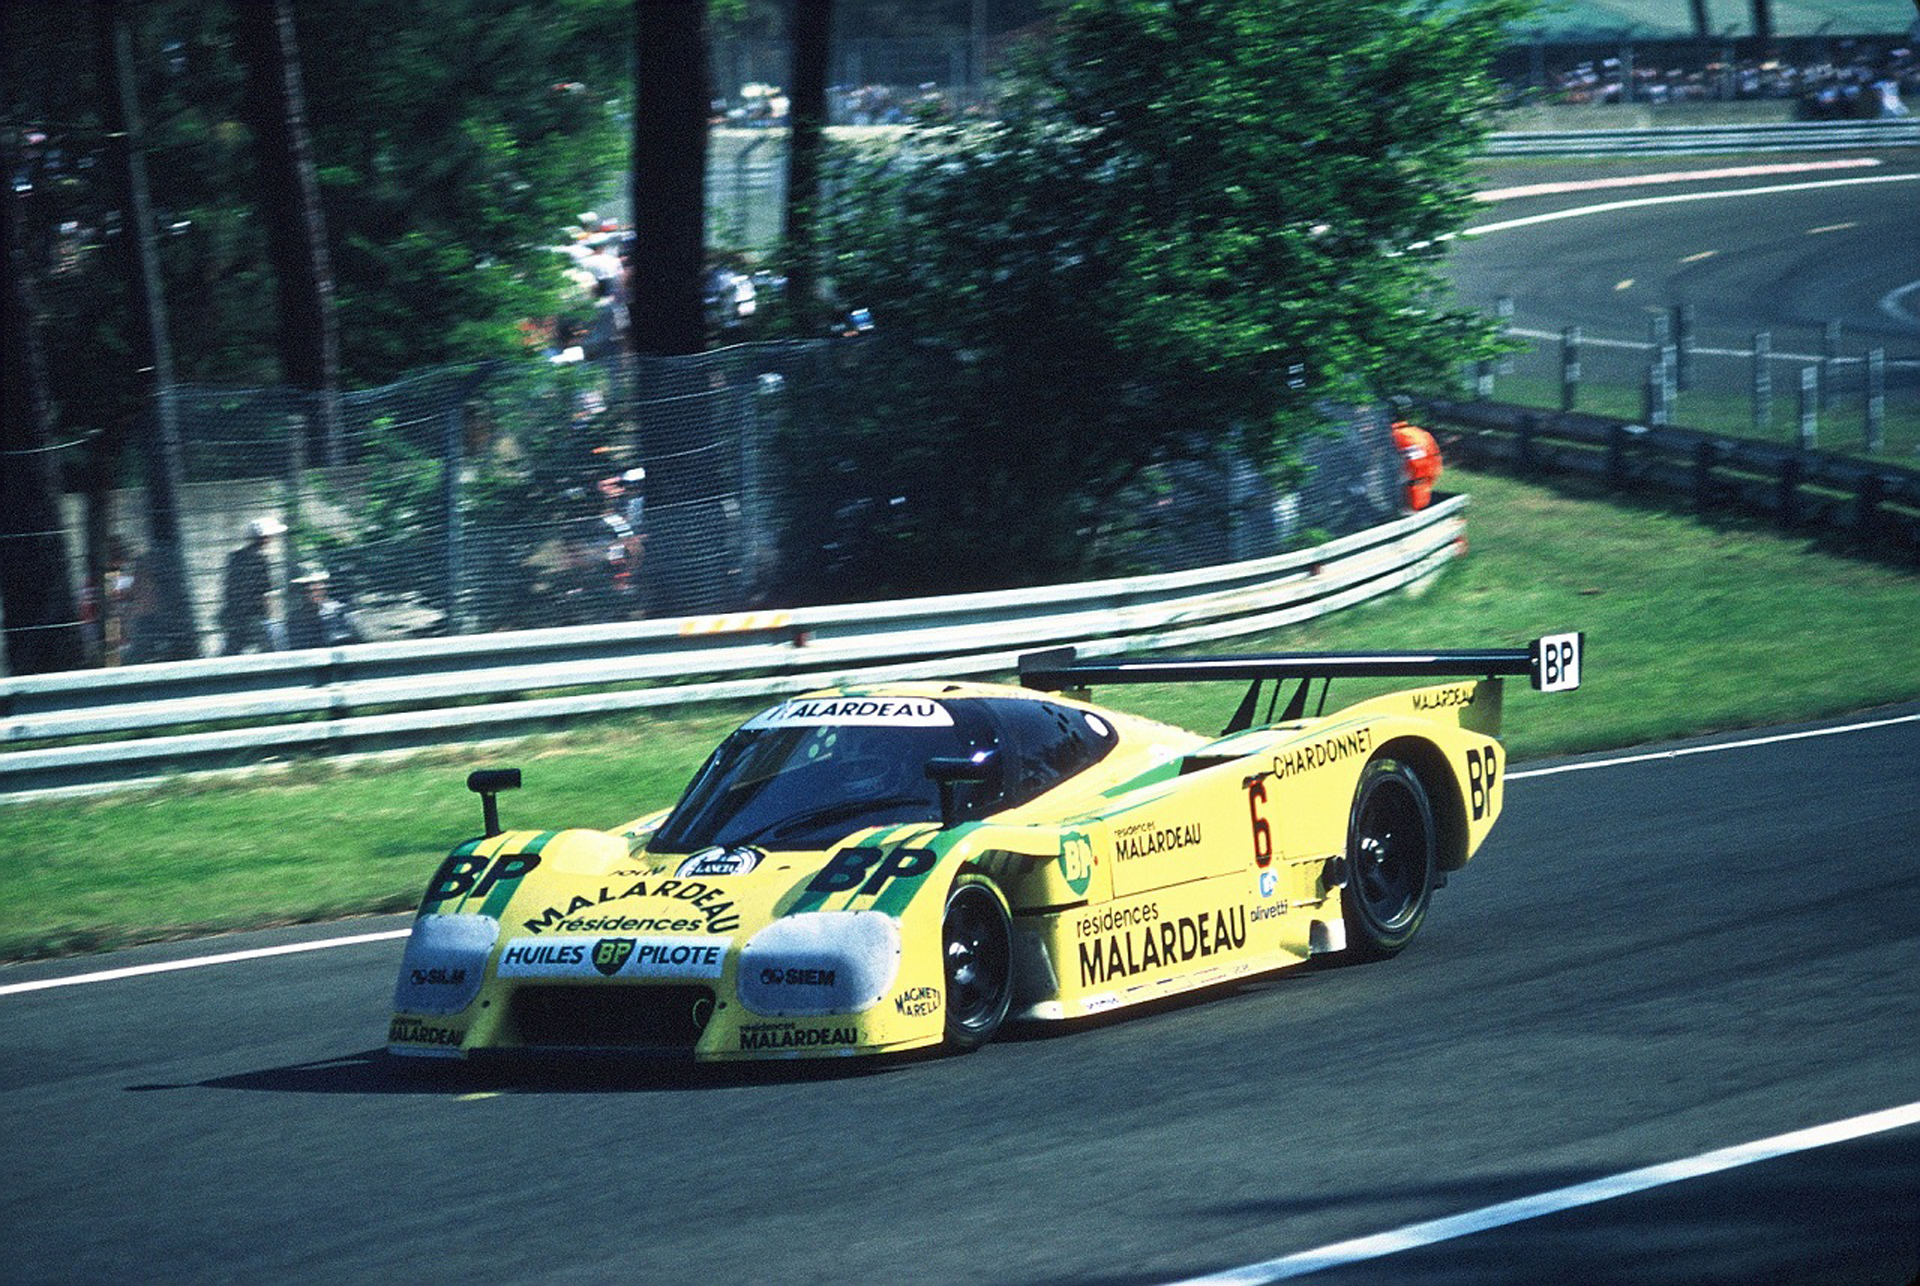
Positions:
{"x": 1551, "y": 663}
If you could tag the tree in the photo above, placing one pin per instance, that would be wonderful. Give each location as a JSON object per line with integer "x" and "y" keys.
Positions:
{"x": 172, "y": 631}
{"x": 671, "y": 103}
{"x": 290, "y": 208}
{"x": 36, "y": 591}
{"x": 1191, "y": 224}
{"x": 812, "y": 32}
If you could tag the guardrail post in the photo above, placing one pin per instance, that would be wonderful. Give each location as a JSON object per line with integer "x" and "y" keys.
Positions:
{"x": 1866, "y": 510}
{"x": 1503, "y": 309}
{"x": 1569, "y": 367}
{"x": 1762, "y": 384}
{"x": 1703, "y": 454}
{"x": 1874, "y": 438}
{"x": 1619, "y": 436}
{"x": 1658, "y": 409}
{"x": 1809, "y": 433}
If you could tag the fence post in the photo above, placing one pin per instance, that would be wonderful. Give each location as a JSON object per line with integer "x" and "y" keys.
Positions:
{"x": 1683, "y": 346}
{"x": 1569, "y": 367}
{"x": 1875, "y": 437}
{"x": 292, "y": 485}
{"x": 1660, "y": 338}
{"x": 1762, "y": 384}
{"x": 452, "y": 458}
{"x": 1829, "y": 351}
{"x": 1809, "y": 434}
{"x": 1503, "y": 309}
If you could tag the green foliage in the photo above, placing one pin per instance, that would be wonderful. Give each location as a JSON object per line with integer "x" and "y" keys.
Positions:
{"x": 1190, "y": 223}
{"x": 455, "y": 141}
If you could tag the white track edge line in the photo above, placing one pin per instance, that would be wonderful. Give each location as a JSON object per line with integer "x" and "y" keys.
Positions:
{"x": 135, "y": 971}
{"x": 196, "y": 962}
{"x": 1412, "y": 1236}
{"x": 1608, "y": 207}
{"x": 1686, "y": 751}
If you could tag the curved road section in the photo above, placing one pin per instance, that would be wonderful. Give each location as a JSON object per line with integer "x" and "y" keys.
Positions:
{"x": 1660, "y": 957}
{"x": 1786, "y": 245}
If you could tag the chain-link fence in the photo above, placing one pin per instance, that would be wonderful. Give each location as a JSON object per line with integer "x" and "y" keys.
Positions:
{"x": 511, "y": 497}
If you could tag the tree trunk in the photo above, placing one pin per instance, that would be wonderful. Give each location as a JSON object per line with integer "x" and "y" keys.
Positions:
{"x": 173, "y": 633}
{"x": 671, "y": 103}
{"x": 36, "y": 586}
{"x": 812, "y": 29}
{"x": 289, "y": 204}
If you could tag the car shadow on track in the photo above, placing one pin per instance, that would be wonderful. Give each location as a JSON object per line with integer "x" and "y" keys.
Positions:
{"x": 374, "y": 1071}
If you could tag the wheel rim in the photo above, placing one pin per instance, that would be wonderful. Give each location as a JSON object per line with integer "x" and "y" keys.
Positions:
{"x": 1390, "y": 855}
{"x": 976, "y": 959}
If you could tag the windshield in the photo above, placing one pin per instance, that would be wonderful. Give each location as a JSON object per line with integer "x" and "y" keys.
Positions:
{"x": 809, "y": 772}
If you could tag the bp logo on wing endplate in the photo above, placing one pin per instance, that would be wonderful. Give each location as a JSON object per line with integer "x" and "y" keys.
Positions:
{"x": 610, "y": 953}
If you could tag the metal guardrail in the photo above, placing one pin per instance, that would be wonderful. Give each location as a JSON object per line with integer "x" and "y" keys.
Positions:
{"x": 1794, "y": 136}
{"x": 105, "y": 726}
{"x": 1870, "y": 501}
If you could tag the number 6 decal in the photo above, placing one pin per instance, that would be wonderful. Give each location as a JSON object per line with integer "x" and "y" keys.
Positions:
{"x": 1262, "y": 832}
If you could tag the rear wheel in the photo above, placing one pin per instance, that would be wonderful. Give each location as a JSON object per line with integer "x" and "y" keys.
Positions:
{"x": 976, "y": 936}
{"x": 1390, "y": 860}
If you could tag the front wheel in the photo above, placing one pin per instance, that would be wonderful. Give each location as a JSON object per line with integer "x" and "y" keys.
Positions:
{"x": 976, "y": 938}
{"x": 1391, "y": 859}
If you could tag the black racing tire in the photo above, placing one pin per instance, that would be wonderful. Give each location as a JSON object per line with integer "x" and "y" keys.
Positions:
{"x": 976, "y": 948}
{"x": 1392, "y": 857}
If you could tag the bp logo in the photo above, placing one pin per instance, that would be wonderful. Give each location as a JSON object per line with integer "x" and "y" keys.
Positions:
{"x": 1076, "y": 862}
{"x": 610, "y": 953}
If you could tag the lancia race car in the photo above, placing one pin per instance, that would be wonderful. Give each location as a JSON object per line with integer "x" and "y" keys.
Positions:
{"x": 901, "y": 866}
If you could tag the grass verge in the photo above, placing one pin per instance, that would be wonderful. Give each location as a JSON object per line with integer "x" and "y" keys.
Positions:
{"x": 1691, "y": 627}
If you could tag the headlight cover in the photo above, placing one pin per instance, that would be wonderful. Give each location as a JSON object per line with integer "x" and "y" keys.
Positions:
{"x": 444, "y": 964}
{"x": 820, "y": 962}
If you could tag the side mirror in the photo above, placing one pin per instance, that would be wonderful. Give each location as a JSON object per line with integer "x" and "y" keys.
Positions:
{"x": 950, "y": 771}
{"x": 488, "y": 782}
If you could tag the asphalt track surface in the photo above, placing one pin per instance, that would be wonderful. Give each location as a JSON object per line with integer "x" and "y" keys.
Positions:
{"x": 1785, "y": 251}
{"x": 1656, "y": 956}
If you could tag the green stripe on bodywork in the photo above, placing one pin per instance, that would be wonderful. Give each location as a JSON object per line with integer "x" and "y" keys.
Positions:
{"x": 893, "y": 899}
{"x": 809, "y": 900}
{"x": 502, "y": 893}
{"x": 1152, "y": 777}
{"x": 894, "y": 895}
{"x": 467, "y": 849}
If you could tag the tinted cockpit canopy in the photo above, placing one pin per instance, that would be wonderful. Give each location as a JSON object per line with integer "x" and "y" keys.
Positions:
{"x": 811, "y": 771}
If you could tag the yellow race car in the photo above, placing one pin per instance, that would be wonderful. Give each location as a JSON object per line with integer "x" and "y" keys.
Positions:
{"x": 900, "y": 866}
